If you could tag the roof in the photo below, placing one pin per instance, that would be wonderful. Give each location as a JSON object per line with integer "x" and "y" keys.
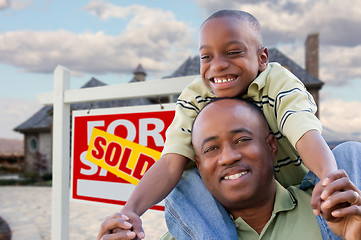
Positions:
{"x": 308, "y": 79}
{"x": 139, "y": 69}
{"x": 192, "y": 67}
{"x": 41, "y": 120}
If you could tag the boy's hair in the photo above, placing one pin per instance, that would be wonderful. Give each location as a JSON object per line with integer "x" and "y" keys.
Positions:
{"x": 241, "y": 15}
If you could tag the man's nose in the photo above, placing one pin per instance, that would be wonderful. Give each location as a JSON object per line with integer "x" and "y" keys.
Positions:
{"x": 219, "y": 63}
{"x": 229, "y": 155}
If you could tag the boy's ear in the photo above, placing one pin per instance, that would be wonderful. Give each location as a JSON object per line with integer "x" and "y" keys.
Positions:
{"x": 263, "y": 58}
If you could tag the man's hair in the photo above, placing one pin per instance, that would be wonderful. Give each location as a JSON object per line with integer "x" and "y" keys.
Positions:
{"x": 241, "y": 15}
{"x": 249, "y": 102}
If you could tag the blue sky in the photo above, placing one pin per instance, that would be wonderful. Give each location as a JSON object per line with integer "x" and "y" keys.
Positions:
{"x": 107, "y": 39}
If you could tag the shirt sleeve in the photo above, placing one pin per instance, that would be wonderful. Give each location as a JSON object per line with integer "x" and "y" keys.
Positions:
{"x": 178, "y": 137}
{"x": 295, "y": 111}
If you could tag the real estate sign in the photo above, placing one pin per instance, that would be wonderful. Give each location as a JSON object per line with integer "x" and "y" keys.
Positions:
{"x": 113, "y": 148}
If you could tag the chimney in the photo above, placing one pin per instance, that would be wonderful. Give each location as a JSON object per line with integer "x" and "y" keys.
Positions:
{"x": 311, "y": 56}
{"x": 139, "y": 73}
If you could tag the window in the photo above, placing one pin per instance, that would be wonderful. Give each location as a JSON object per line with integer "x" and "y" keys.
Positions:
{"x": 33, "y": 144}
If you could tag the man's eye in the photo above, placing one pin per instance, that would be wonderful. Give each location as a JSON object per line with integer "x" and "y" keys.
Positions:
{"x": 242, "y": 140}
{"x": 209, "y": 149}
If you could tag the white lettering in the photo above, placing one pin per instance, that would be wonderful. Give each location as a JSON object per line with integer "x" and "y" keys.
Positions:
{"x": 90, "y": 126}
{"x": 144, "y": 133}
{"x": 93, "y": 167}
{"x": 127, "y": 124}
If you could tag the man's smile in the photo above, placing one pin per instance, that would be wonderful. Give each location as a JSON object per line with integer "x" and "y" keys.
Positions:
{"x": 233, "y": 173}
{"x": 235, "y": 176}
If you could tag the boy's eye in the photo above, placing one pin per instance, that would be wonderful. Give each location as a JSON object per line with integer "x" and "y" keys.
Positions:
{"x": 235, "y": 53}
{"x": 204, "y": 57}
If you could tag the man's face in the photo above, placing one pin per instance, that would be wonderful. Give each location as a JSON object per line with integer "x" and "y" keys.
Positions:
{"x": 231, "y": 56}
{"x": 235, "y": 153}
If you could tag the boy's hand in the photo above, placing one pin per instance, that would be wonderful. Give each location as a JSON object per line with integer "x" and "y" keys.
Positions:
{"x": 316, "y": 198}
{"x": 118, "y": 227}
{"x": 135, "y": 221}
{"x": 341, "y": 206}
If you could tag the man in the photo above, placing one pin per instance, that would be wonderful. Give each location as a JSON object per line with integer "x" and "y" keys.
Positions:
{"x": 235, "y": 153}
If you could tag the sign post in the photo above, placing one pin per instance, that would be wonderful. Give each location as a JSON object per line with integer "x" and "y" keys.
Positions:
{"x": 61, "y": 153}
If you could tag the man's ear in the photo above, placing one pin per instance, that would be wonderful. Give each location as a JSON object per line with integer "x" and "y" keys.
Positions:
{"x": 272, "y": 143}
{"x": 262, "y": 59}
{"x": 197, "y": 161}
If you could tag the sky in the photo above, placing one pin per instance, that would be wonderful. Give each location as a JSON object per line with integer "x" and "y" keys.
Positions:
{"x": 108, "y": 39}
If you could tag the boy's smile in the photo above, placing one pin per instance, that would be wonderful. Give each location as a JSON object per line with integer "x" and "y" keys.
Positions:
{"x": 231, "y": 55}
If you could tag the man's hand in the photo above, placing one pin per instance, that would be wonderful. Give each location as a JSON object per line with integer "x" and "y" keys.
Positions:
{"x": 121, "y": 227}
{"x": 341, "y": 205}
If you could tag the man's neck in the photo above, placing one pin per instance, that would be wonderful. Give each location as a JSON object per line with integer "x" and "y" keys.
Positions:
{"x": 257, "y": 216}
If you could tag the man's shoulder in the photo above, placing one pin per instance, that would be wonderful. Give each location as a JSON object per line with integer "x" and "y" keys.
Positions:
{"x": 300, "y": 195}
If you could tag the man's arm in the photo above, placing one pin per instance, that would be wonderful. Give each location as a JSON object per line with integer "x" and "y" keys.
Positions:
{"x": 342, "y": 205}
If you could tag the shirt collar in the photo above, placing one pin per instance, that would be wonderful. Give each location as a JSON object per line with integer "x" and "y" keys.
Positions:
{"x": 259, "y": 82}
{"x": 284, "y": 201}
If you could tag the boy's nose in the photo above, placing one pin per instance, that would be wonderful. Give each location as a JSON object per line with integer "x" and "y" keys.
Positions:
{"x": 229, "y": 155}
{"x": 219, "y": 64}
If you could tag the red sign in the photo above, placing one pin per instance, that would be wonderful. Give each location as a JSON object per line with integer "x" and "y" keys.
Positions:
{"x": 144, "y": 125}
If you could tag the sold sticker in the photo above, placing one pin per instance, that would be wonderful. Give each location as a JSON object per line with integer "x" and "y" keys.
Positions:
{"x": 122, "y": 157}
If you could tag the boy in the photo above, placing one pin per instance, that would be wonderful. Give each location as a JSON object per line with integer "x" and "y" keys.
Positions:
{"x": 235, "y": 63}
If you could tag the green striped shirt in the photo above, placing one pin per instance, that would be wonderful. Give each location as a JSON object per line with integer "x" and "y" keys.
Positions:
{"x": 287, "y": 106}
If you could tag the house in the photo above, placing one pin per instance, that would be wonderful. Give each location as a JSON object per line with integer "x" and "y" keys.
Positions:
{"x": 37, "y": 129}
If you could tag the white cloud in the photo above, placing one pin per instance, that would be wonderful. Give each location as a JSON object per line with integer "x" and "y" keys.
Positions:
{"x": 14, "y": 4}
{"x": 286, "y": 24}
{"x": 340, "y": 64}
{"x": 20, "y": 4}
{"x": 13, "y": 112}
{"x": 152, "y": 37}
{"x": 287, "y": 20}
{"x": 341, "y": 116}
{"x": 4, "y": 4}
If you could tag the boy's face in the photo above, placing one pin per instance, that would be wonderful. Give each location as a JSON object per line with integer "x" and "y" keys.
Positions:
{"x": 231, "y": 56}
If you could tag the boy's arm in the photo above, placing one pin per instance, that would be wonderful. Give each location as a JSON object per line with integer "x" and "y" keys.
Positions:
{"x": 318, "y": 158}
{"x": 155, "y": 185}
{"x": 315, "y": 154}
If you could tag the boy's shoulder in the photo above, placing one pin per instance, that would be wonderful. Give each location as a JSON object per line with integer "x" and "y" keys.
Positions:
{"x": 273, "y": 80}
{"x": 281, "y": 73}
{"x": 196, "y": 89}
